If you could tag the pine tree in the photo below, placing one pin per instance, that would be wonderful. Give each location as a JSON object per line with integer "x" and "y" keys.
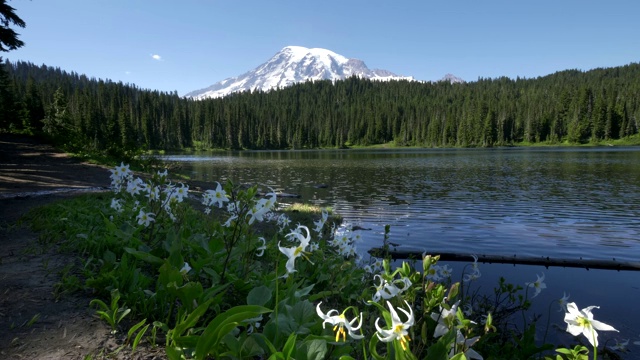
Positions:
{"x": 8, "y": 37}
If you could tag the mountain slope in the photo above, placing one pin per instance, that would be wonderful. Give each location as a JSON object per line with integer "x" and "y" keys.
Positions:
{"x": 291, "y": 65}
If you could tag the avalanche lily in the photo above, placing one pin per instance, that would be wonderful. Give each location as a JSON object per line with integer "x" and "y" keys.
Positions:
{"x": 145, "y": 218}
{"x": 620, "y": 346}
{"x": 218, "y": 196}
{"x": 538, "y": 285}
{"x": 185, "y": 268}
{"x": 387, "y": 290}
{"x": 399, "y": 329}
{"x": 464, "y": 345}
{"x": 446, "y": 319}
{"x": 296, "y": 251}
{"x": 582, "y": 322}
{"x": 339, "y": 323}
{"x": 260, "y": 250}
{"x": 563, "y": 302}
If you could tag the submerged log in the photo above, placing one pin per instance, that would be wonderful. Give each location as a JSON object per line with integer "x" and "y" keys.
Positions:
{"x": 518, "y": 260}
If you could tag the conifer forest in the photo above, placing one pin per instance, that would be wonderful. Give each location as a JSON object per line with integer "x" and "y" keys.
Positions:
{"x": 98, "y": 115}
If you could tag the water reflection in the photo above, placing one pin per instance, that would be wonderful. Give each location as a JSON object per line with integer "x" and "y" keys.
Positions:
{"x": 555, "y": 202}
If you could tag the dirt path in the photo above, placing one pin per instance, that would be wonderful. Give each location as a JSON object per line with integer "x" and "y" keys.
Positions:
{"x": 35, "y": 322}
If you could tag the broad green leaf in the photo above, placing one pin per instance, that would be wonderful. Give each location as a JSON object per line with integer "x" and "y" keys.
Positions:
{"x": 144, "y": 256}
{"x": 193, "y": 318}
{"x": 225, "y": 322}
{"x": 289, "y": 346}
{"x": 259, "y": 296}
{"x": 316, "y": 349}
{"x": 173, "y": 353}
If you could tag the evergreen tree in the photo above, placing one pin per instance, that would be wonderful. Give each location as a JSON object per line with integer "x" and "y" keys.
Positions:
{"x": 8, "y": 37}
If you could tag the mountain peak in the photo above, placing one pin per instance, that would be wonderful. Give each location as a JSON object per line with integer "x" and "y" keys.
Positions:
{"x": 291, "y": 65}
{"x": 452, "y": 79}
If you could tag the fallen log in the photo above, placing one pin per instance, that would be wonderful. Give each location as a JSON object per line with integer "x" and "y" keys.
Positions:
{"x": 546, "y": 261}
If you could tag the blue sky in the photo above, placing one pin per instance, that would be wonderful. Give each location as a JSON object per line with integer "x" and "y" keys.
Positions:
{"x": 190, "y": 44}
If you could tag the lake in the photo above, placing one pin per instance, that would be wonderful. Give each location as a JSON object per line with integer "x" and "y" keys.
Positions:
{"x": 565, "y": 203}
{"x": 556, "y": 202}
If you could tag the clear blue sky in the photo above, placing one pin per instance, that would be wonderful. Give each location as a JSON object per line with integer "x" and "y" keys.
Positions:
{"x": 190, "y": 44}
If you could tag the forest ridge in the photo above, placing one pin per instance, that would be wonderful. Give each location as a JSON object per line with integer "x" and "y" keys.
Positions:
{"x": 96, "y": 115}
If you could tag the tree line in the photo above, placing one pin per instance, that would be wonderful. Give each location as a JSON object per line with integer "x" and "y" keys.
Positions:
{"x": 101, "y": 115}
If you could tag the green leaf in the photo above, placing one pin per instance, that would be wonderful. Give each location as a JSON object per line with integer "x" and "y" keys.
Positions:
{"x": 259, "y": 296}
{"x": 136, "y": 341}
{"x": 173, "y": 353}
{"x": 372, "y": 348}
{"x": 123, "y": 313}
{"x": 189, "y": 292}
{"x": 317, "y": 350}
{"x": 224, "y": 323}
{"x": 144, "y": 256}
{"x": 304, "y": 291}
{"x": 193, "y": 318}
{"x": 134, "y": 328}
{"x": 289, "y": 346}
{"x": 100, "y": 303}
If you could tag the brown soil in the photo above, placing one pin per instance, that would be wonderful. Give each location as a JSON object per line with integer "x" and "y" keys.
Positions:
{"x": 37, "y": 321}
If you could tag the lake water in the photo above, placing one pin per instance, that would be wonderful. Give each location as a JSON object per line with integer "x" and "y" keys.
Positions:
{"x": 555, "y": 202}
{"x": 558, "y": 202}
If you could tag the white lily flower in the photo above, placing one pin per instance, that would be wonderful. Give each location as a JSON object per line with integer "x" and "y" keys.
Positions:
{"x": 145, "y": 218}
{"x": 472, "y": 277}
{"x": 218, "y": 196}
{"x": 446, "y": 271}
{"x": 339, "y": 323}
{"x": 582, "y": 322}
{"x": 294, "y": 252}
{"x": 385, "y": 290}
{"x": 154, "y": 193}
{"x": 538, "y": 285}
{"x": 314, "y": 246}
{"x": 230, "y": 220}
{"x": 260, "y": 250}
{"x": 446, "y": 319}
{"x": 181, "y": 192}
{"x": 475, "y": 274}
{"x": 620, "y": 346}
{"x": 468, "y": 310}
{"x": 399, "y": 329}
{"x": 465, "y": 346}
{"x": 116, "y": 205}
{"x": 283, "y": 221}
{"x": 185, "y": 268}
{"x": 563, "y": 302}
{"x": 270, "y": 200}
{"x": 434, "y": 273}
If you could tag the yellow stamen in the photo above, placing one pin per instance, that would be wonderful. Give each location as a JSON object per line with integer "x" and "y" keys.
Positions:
{"x": 404, "y": 341}
{"x": 340, "y": 332}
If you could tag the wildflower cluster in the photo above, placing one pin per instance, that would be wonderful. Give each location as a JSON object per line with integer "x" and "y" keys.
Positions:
{"x": 393, "y": 312}
{"x": 344, "y": 241}
{"x": 156, "y": 194}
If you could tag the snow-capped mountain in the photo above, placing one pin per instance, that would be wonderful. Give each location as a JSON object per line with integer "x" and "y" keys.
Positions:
{"x": 452, "y": 79}
{"x": 292, "y": 65}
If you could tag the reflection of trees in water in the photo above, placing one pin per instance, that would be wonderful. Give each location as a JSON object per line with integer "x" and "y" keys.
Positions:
{"x": 491, "y": 201}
